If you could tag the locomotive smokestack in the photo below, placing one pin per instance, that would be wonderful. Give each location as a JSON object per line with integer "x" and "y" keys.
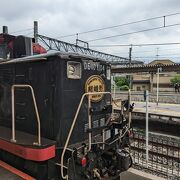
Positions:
{"x": 5, "y": 30}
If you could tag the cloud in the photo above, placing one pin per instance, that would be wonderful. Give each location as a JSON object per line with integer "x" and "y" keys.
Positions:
{"x": 62, "y": 17}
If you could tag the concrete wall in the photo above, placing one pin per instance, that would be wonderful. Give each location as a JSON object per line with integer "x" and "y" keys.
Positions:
{"x": 164, "y": 89}
{"x": 173, "y": 98}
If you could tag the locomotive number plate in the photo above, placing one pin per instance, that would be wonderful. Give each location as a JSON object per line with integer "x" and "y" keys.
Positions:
{"x": 95, "y": 84}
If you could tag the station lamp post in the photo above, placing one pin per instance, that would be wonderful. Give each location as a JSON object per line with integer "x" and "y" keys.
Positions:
{"x": 157, "y": 97}
{"x": 113, "y": 83}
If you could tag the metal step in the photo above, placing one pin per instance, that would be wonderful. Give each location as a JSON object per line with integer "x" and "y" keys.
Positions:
{"x": 25, "y": 146}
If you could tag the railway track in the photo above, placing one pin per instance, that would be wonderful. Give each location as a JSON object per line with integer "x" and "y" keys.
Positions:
{"x": 164, "y": 154}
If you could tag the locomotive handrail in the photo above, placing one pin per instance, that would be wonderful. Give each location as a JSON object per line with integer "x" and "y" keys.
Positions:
{"x": 36, "y": 111}
{"x": 73, "y": 124}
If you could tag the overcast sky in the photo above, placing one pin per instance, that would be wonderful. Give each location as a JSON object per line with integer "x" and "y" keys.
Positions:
{"x": 63, "y": 17}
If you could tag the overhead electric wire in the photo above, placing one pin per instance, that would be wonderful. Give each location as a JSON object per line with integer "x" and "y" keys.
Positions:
{"x": 148, "y": 44}
{"x": 119, "y": 25}
{"x": 137, "y": 52}
{"x": 22, "y": 30}
{"x": 174, "y": 49}
{"x": 159, "y": 55}
{"x": 146, "y": 57}
{"x": 169, "y": 55}
{"x": 135, "y": 32}
{"x": 30, "y": 33}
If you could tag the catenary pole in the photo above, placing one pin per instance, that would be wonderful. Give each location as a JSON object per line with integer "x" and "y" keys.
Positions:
{"x": 147, "y": 126}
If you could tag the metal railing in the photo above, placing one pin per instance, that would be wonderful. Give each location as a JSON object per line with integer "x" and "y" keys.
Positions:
{"x": 73, "y": 124}
{"x": 164, "y": 154}
{"x": 36, "y": 111}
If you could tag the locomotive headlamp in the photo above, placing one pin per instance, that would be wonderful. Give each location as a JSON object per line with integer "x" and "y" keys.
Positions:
{"x": 74, "y": 70}
{"x": 71, "y": 70}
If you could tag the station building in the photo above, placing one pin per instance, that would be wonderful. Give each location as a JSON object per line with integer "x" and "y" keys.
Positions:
{"x": 148, "y": 81}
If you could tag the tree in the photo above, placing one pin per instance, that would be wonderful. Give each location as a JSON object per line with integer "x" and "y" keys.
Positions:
{"x": 121, "y": 81}
{"x": 176, "y": 79}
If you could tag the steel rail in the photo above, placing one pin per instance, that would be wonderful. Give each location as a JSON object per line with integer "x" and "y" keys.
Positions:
{"x": 177, "y": 148}
{"x": 154, "y": 153}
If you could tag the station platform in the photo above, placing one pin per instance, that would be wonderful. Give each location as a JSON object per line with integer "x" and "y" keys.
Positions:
{"x": 162, "y": 108}
{"x": 164, "y": 118}
{"x": 165, "y": 109}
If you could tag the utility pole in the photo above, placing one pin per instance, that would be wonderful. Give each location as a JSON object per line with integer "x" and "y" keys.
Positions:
{"x": 130, "y": 61}
{"x": 157, "y": 89}
{"x": 130, "y": 54}
{"x": 157, "y": 54}
{"x": 129, "y": 109}
{"x": 36, "y": 31}
{"x": 147, "y": 127}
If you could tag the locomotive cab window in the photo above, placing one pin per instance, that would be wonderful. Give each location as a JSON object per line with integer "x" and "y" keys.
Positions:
{"x": 73, "y": 70}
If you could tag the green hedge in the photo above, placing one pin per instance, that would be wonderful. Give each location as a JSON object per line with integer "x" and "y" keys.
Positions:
{"x": 124, "y": 88}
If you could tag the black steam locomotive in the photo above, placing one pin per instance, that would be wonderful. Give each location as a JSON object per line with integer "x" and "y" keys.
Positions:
{"x": 56, "y": 115}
